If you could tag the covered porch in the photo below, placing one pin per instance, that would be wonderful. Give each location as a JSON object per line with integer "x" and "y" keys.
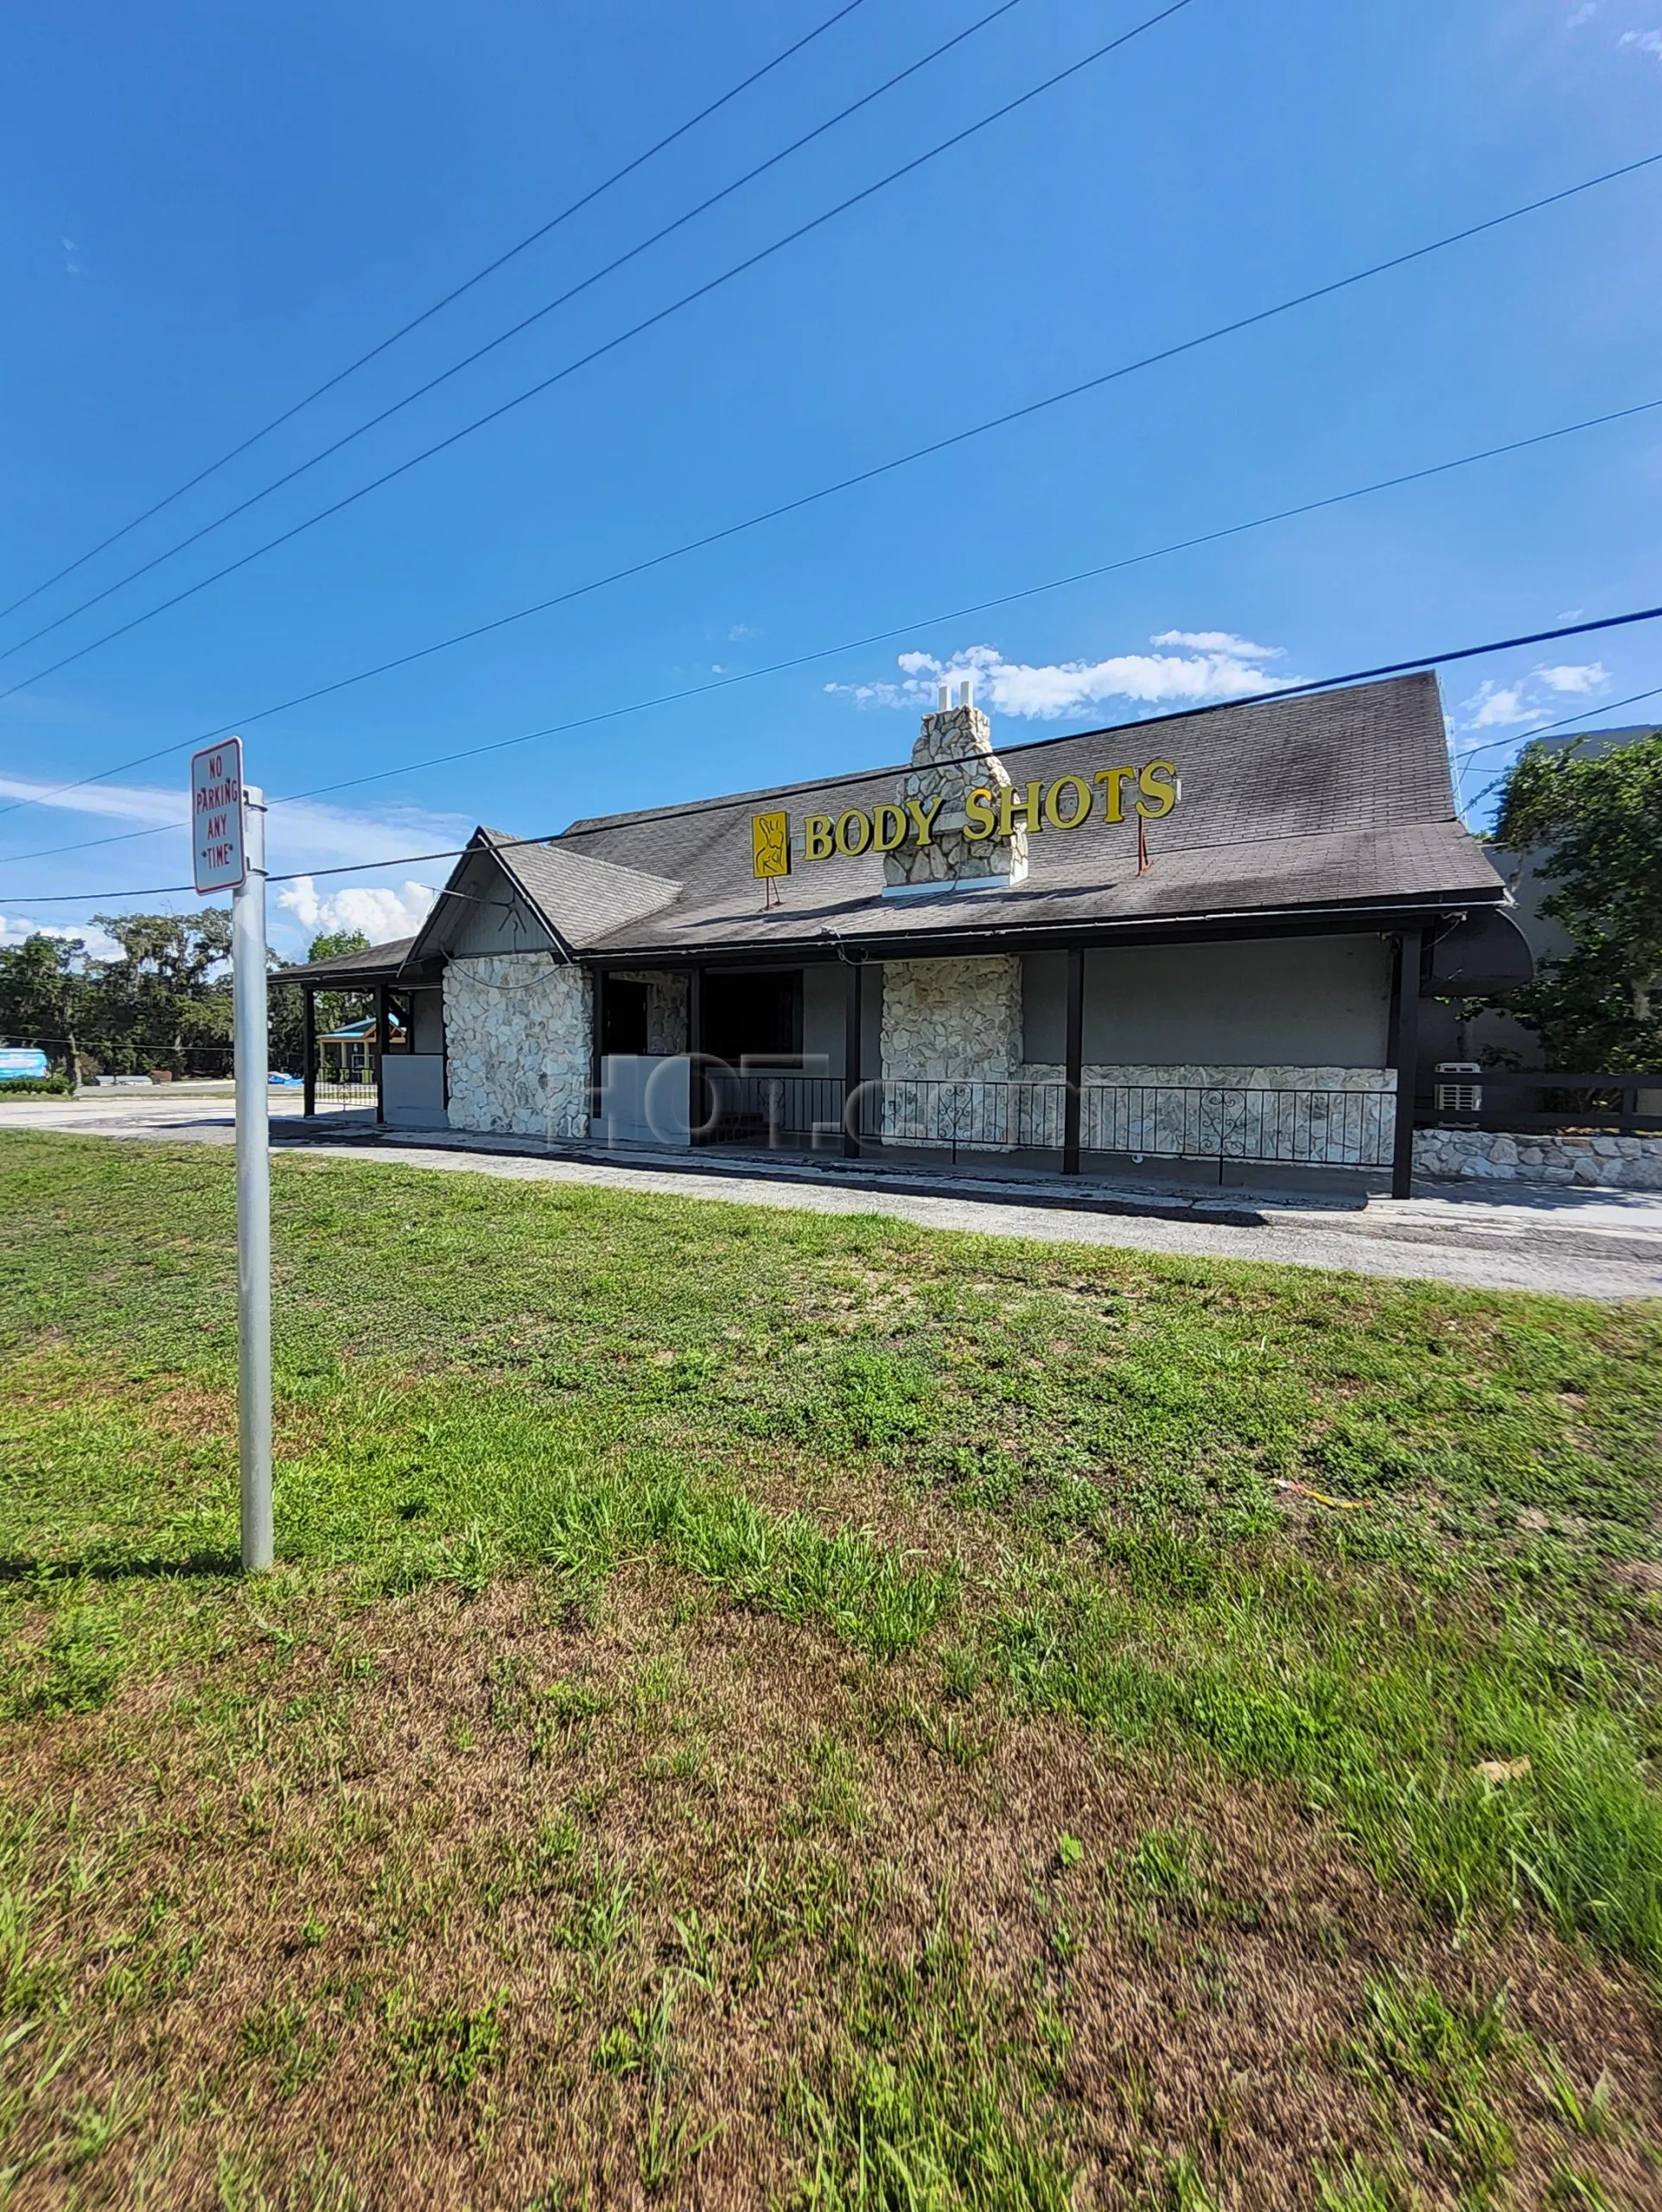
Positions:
{"x": 1205, "y": 1061}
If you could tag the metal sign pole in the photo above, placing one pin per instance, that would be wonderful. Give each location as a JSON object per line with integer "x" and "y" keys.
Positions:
{"x": 253, "y": 1191}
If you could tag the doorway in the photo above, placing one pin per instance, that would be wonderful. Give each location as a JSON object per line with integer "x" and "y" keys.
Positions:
{"x": 623, "y": 1026}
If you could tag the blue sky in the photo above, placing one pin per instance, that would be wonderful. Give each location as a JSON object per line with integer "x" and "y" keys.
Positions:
{"x": 206, "y": 210}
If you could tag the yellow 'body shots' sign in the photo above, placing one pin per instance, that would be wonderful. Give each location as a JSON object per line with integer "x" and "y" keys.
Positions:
{"x": 1067, "y": 802}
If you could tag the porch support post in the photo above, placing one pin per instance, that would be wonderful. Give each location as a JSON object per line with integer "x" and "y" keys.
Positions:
{"x": 1404, "y": 1047}
{"x": 695, "y": 1052}
{"x": 854, "y": 998}
{"x": 1071, "y": 1099}
{"x": 383, "y": 1016}
{"x": 309, "y": 1051}
{"x": 597, "y": 1041}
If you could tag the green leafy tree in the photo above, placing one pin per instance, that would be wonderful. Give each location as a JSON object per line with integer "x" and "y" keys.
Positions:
{"x": 1595, "y": 820}
{"x": 45, "y": 996}
{"x": 334, "y": 1008}
{"x": 167, "y": 996}
{"x": 333, "y": 942}
{"x": 287, "y": 1014}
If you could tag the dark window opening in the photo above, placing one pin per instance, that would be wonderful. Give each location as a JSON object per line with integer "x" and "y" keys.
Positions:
{"x": 756, "y": 1016}
{"x": 623, "y": 1022}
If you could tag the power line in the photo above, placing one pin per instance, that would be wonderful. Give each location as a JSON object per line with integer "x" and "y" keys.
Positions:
{"x": 998, "y": 422}
{"x": 1543, "y": 730}
{"x": 491, "y": 345}
{"x": 1462, "y": 761}
{"x": 611, "y": 713}
{"x": 450, "y": 297}
{"x": 701, "y": 291}
{"x": 981, "y": 607}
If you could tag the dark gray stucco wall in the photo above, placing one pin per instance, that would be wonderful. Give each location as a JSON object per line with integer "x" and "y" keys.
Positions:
{"x": 427, "y": 1021}
{"x": 1299, "y": 1001}
{"x": 824, "y": 1013}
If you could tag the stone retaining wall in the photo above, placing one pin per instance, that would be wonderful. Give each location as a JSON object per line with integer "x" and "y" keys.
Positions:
{"x": 1545, "y": 1156}
{"x": 517, "y": 1031}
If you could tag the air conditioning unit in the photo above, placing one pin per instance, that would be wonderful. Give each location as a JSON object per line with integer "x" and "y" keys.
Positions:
{"x": 1457, "y": 1092}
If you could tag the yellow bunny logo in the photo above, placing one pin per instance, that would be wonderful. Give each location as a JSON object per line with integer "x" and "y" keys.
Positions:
{"x": 770, "y": 845}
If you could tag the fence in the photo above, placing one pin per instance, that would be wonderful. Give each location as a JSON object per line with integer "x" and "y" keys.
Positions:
{"x": 1608, "y": 1102}
{"x": 1328, "y": 1129}
{"x": 344, "y": 1079}
{"x": 1318, "y": 1128}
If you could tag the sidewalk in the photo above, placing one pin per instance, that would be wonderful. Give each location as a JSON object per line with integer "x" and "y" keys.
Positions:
{"x": 1577, "y": 1243}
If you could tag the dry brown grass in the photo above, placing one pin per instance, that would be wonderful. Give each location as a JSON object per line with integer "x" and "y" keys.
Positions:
{"x": 405, "y": 1807}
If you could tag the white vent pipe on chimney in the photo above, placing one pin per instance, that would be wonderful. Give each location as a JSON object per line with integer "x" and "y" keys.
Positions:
{"x": 943, "y": 698}
{"x": 966, "y": 692}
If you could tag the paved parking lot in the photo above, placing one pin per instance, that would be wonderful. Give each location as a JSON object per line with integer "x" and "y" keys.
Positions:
{"x": 1579, "y": 1243}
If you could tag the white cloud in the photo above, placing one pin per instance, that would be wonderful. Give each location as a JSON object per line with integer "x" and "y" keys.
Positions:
{"x": 1492, "y": 707}
{"x": 109, "y": 802}
{"x": 98, "y": 944}
{"x": 1643, "y": 41}
{"x": 303, "y": 834}
{"x": 1530, "y": 698}
{"x": 1584, "y": 13}
{"x": 310, "y": 835}
{"x": 1590, "y": 675}
{"x": 1218, "y": 641}
{"x": 1217, "y": 666}
{"x": 381, "y": 911}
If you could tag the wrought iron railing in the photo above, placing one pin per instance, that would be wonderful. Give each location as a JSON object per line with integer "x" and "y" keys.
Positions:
{"x": 795, "y": 1112}
{"x": 346, "y": 1078}
{"x": 1306, "y": 1127}
{"x": 966, "y": 1116}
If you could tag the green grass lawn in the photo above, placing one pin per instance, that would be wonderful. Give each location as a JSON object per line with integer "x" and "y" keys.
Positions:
{"x": 759, "y": 1708}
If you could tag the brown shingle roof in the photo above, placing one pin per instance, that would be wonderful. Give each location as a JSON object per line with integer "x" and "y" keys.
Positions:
{"x": 1333, "y": 804}
{"x": 1339, "y": 799}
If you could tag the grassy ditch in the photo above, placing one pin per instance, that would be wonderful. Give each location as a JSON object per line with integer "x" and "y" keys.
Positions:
{"x": 767, "y": 1707}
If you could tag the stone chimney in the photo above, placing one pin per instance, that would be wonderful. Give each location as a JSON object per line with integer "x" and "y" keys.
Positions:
{"x": 953, "y": 756}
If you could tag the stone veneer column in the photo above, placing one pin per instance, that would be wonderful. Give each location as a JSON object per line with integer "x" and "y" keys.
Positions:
{"x": 517, "y": 1032}
{"x": 951, "y": 1027}
{"x": 953, "y": 756}
{"x": 944, "y": 1019}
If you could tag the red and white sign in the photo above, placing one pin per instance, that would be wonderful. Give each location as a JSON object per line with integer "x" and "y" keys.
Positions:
{"x": 218, "y": 850}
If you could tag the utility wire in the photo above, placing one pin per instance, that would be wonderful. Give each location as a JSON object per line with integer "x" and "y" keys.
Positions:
{"x": 490, "y": 345}
{"x": 1543, "y": 729}
{"x": 1463, "y": 761}
{"x": 450, "y": 297}
{"x": 639, "y": 706}
{"x": 635, "y": 330}
{"x": 981, "y": 606}
{"x": 1029, "y": 591}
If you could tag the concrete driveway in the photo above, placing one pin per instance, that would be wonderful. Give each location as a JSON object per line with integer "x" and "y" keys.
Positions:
{"x": 1581, "y": 1243}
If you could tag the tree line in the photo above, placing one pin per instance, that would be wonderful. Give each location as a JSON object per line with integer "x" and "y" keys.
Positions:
{"x": 161, "y": 1005}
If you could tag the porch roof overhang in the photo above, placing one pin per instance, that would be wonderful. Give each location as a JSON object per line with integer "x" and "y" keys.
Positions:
{"x": 355, "y": 971}
{"x": 828, "y": 938}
